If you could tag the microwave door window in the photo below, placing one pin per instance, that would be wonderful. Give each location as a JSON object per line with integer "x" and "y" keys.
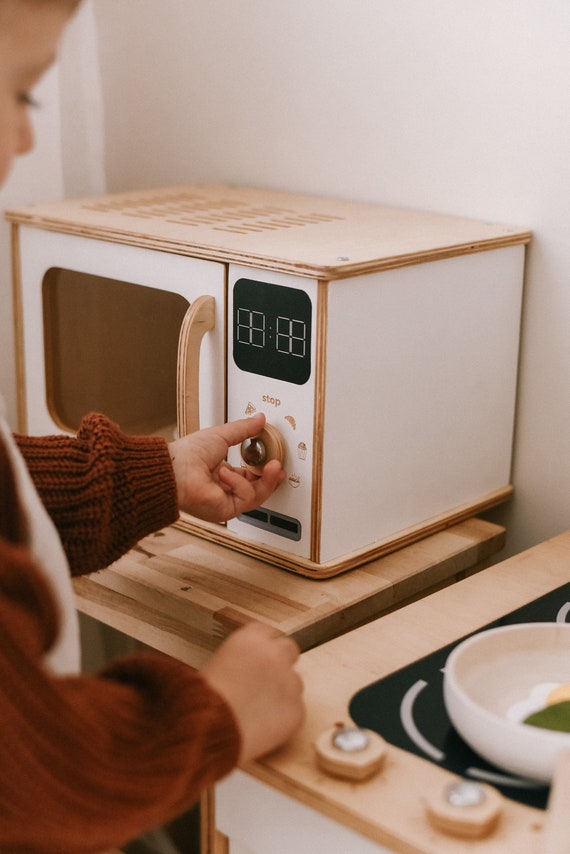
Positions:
{"x": 111, "y": 346}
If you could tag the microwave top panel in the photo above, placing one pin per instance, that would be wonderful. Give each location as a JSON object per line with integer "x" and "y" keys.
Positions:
{"x": 304, "y": 235}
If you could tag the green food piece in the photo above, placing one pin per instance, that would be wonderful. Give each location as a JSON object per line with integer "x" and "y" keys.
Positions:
{"x": 555, "y": 717}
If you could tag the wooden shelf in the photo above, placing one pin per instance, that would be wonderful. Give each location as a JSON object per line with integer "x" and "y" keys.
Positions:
{"x": 183, "y": 595}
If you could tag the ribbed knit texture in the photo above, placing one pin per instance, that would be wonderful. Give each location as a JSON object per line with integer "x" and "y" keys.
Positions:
{"x": 104, "y": 490}
{"x": 89, "y": 762}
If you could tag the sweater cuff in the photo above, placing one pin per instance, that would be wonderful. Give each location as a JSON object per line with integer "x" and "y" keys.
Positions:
{"x": 149, "y": 474}
{"x": 104, "y": 490}
{"x": 138, "y": 471}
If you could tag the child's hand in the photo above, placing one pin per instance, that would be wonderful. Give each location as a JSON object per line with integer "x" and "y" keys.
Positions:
{"x": 253, "y": 670}
{"x": 207, "y": 486}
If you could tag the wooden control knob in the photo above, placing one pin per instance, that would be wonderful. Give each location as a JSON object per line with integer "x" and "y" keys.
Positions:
{"x": 465, "y": 808}
{"x": 350, "y": 752}
{"x": 259, "y": 450}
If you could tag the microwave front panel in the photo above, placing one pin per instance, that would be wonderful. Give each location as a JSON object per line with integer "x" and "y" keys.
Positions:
{"x": 271, "y": 368}
{"x": 100, "y": 331}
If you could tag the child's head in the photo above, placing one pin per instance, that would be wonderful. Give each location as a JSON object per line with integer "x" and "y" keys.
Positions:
{"x": 29, "y": 34}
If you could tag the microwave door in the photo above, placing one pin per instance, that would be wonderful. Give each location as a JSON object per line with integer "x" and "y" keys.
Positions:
{"x": 103, "y": 323}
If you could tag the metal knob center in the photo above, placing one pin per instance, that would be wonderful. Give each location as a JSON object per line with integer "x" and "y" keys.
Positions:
{"x": 465, "y": 794}
{"x": 351, "y": 739}
{"x": 254, "y": 452}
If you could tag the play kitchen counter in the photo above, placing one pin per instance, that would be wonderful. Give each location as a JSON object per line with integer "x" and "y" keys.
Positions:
{"x": 285, "y": 803}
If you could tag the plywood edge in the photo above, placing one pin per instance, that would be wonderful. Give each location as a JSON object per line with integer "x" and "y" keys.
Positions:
{"x": 319, "y": 400}
{"x": 335, "y": 272}
{"x": 391, "y": 826}
{"x": 68, "y": 220}
{"x": 219, "y": 534}
{"x": 19, "y": 343}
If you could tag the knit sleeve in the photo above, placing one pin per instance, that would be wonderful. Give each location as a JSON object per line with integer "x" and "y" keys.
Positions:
{"x": 89, "y": 762}
{"x": 103, "y": 489}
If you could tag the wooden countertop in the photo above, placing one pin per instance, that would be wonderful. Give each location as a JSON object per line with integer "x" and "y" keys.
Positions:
{"x": 389, "y": 807}
{"x": 182, "y": 595}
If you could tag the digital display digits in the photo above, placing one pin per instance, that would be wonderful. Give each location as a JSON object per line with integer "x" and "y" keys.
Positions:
{"x": 272, "y": 330}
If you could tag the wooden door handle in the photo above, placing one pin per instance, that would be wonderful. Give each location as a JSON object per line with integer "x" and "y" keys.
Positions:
{"x": 199, "y": 319}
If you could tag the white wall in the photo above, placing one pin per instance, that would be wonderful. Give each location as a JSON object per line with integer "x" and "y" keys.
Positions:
{"x": 461, "y": 107}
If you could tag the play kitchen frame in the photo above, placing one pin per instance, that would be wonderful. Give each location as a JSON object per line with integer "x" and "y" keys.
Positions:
{"x": 381, "y": 344}
{"x": 181, "y": 595}
{"x": 287, "y": 802}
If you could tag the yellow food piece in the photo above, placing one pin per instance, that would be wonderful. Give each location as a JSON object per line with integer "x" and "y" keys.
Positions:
{"x": 559, "y": 695}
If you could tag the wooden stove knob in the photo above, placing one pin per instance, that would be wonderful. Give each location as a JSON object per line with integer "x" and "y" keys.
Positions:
{"x": 350, "y": 752}
{"x": 465, "y": 808}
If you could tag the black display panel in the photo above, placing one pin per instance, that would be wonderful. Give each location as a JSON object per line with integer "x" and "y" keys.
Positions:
{"x": 272, "y": 331}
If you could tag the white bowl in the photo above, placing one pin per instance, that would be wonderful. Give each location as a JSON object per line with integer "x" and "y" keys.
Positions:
{"x": 488, "y": 673}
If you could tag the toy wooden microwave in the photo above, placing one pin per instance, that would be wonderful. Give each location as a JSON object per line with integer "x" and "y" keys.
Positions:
{"x": 381, "y": 344}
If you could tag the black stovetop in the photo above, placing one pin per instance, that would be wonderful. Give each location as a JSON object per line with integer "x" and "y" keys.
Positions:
{"x": 407, "y": 709}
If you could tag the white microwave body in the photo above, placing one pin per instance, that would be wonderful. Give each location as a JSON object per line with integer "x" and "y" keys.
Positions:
{"x": 391, "y": 384}
{"x": 410, "y": 409}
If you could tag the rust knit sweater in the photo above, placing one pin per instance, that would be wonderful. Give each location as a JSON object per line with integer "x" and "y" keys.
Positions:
{"x": 89, "y": 762}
